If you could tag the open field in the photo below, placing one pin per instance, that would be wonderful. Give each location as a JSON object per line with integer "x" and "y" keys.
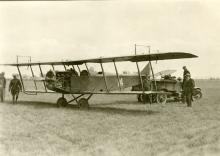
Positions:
{"x": 113, "y": 126}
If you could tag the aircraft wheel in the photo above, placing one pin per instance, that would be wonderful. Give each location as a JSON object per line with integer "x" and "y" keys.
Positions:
{"x": 197, "y": 96}
{"x": 161, "y": 99}
{"x": 62, "y": 102}
{"x": 83, "y": 103}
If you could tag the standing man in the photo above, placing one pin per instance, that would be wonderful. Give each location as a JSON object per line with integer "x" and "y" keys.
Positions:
{"x": 188, "y": 89}
{"x": 15, "y": 87}
{"x": 2, "y": 86}
{"x": 185, "y": 72}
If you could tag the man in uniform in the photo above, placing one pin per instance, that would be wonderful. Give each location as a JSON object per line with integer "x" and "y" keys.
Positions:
{"x": 188, "y": 89}
{"x": 185, "y": 72}
{"x": 15, "y": 87}
{"x": 2, "y": 86}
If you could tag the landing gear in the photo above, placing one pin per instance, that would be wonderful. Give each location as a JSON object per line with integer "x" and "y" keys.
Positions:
{"x": 83, "y": 103}
{"x": 61, "y": 102}
{"x": 145, "y": 98}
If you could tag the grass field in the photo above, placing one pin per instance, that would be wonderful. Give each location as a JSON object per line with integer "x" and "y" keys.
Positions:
{"x": 113, "y": 126}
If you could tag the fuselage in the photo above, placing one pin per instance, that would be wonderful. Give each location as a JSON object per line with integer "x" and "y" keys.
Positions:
{"x": 64, "y": 81}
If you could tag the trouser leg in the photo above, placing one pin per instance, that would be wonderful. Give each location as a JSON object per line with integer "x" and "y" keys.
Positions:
{"x": 2, "y": 98}
{"x": 17, "y": 94}
{"x": 16, "y": 98}
{"x": 4, "y": 94}
{"x": 183, "y": 97}
{"x": 13, "y": 98}
{"x": 183, "y": 83}
{"x": 1, "y": 94}
{"x": 189, "y": 99}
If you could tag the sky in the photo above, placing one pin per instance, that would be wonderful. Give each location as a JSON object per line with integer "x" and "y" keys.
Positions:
{"x": 71, "y": 30}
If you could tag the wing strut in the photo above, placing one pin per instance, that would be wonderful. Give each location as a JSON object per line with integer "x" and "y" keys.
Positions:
{"x": 155, "y": 83}
{"x": 53, "y": 67}
{"x": 78, "y": 69}
{"x": 139, "y": 74}
{"x": 103, "y": 73}
{"x": 87, "y": 68}
{"x": 116, "y": 70}
{"x": 21, "y": 78}
{"x": 42, "y": 75}
{"x": 32, "y": 72}
{"x": 73, "y": 67}
{"x": 64, "y": 67}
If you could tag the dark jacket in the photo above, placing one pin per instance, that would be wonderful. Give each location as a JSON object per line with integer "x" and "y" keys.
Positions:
{"x": 184, "y": 73}
{"x": 15, "y": 84}
{"x": 189, "y": 85}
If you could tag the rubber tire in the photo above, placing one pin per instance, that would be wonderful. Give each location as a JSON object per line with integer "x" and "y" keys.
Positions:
{"x": 197, "y": 96}
{"x": 83, "y": 103}
{"x": 61, "y": 102}
{"x": 161, "y": 99}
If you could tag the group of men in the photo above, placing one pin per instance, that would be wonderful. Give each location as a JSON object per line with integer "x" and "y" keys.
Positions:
{"x": 14, "y": 87}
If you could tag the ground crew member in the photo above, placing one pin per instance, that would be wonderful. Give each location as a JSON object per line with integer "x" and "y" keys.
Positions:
{"x": 2, "y": 86}
{"x": 15, "y": 87}
{"x": 185, "y": 71}
{"x": 188, "y": 89}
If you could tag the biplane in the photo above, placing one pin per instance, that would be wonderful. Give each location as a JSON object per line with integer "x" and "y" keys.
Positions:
{"x": 83, "y": 85}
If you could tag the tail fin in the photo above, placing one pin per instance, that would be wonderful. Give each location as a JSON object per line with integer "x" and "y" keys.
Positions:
{"x": 146, "y": 70}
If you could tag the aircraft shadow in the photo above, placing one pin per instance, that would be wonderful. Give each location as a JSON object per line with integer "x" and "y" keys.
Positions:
{"x": 93, "y": 108}
{"x": 123, "y": 111}
{"x": 121, "y": 102}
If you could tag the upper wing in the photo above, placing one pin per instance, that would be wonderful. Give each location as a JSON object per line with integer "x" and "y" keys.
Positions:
{"x": 131, "y": 58}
